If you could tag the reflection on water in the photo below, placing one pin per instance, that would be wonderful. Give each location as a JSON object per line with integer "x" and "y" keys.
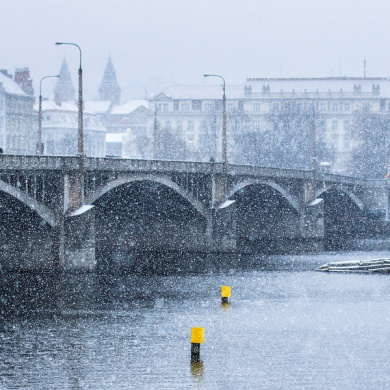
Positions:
{"x": 287, "y": 327}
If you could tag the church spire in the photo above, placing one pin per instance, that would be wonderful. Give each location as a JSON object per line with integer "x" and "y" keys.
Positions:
{"x": 64, "y": 89}
{"x": 109, "y": 88}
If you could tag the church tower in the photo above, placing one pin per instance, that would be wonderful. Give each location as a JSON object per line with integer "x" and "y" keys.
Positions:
{"x": 109, "y": 88}
{"x": 64, "y": 90}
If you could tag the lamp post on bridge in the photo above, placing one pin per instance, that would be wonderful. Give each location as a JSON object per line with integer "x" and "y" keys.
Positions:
{"x": 80, "y": 142}
{"x": 155, "y": 135}
{"x": 224, "y": 135}
{"x": 220, "y": 184}
{"x": 39, "y": 144}
{"x": 314, "y": 165}
{"x": 78, "y": 182}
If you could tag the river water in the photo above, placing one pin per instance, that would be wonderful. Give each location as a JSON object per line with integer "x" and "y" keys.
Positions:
{"x": 287, "y": 327}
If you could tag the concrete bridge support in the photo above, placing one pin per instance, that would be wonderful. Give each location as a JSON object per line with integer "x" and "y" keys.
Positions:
{"x": 79, "y": 244}
{"x": 74, "y": 234}
{"x": 225, "y": 229}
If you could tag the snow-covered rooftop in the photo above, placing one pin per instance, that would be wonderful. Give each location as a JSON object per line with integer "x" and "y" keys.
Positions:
{"x": 319, "y": 85}
{"x": 97, "y": 106}
{"x": 50, "y": 105}
{"x": 114, "y": 137}
{"x": 345, "y": 85}
{"x": 128, "y": 107}
{"x": 10, "y": 86}
{"x": 201, "y": 92}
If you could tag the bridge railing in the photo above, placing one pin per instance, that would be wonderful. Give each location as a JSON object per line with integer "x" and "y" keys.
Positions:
{"x": 73, "y": 163}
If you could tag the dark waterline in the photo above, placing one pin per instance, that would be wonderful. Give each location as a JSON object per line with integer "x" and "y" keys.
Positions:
{"x": 287, "y": 327}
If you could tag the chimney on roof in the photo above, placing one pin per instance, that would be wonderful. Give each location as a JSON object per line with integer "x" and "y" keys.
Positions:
{"x": 22, "y": 78}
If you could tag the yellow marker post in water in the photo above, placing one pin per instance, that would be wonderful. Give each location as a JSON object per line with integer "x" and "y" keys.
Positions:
{"x": 197, "y": 338}
{"x": 225, "y": 293}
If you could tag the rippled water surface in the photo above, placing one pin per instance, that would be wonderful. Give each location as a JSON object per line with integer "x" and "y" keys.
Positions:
{"x": 287, "y": 327}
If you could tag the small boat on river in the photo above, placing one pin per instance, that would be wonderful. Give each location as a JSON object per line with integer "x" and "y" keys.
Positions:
{"x": 363, "y": 266}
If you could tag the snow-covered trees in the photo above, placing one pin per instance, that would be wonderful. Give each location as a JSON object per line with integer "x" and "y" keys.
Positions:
{"x": 370, "y": 132}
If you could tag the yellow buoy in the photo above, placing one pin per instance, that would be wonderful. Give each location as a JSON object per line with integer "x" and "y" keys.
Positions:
{"x": 197, "y": 338}
{"x": 225, "y": 293}
{"x": 197, "y": 335}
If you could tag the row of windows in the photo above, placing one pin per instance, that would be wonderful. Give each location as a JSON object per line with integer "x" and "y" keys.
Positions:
{"x": 179, "y": 125}
{"x": 185, "y": 107}
{"x": 322, "y": 106}
{"x": 64, "y": 118}
{"x": 190, "y": 125}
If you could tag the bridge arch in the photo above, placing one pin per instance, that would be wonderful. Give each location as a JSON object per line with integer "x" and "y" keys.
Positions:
{"x": 350, "y": 194}
{"x": 164, "y": 180}
{"x": 291, "y": 199}
{"x": 44, "y": 212}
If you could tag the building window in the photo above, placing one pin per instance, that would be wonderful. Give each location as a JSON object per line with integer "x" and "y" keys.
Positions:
{"x": 256, "y": 107}
{"x": 366, "y": 106}
{"x": 175, "y": 105}
{"x": 185, "y": 107}
{"x": 346, "y": 142}
{"x": 347, "y": 125}
{"x": 208, "y": 107}
{"x": 275, "y": 106}
{"x": 322, "y": 107}
{"x": 335, "y": 107}
{"x": 179, "y": 125}
{"x": 230, "y": 107}
{"x": 162, "y": 107}
{"x": 256, "y": 126}
{"x": 334, "y": 125}
{"x": 347, "y": 107}
{"x": 196, "y": 105}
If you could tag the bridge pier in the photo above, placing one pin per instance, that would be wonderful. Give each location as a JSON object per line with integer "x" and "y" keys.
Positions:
{"x": 74, "y": 233}
{"x": 225, "y": 229}
{"x": 312, "y": 225}
{"x": 79, "y": 243}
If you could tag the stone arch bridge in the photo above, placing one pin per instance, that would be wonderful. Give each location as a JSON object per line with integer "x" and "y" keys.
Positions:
{"x": 71, "y": 211}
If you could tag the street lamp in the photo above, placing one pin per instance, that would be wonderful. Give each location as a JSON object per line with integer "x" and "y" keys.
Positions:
{"x": 224, "y": 140}
{"x": 313, "y": 140}
{"x": 155, "y": 128}
{"x": 314, "y": 164}
{"x": 39, "y": 144}
{"x": 80, "y": 146}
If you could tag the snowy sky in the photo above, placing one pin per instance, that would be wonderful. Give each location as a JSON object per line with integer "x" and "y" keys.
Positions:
{"x": 181, "y": 40}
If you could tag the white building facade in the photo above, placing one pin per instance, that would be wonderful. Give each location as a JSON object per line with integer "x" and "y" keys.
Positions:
{"x": 195, "y": 112}
{"x": 18, "y": 121}
{"x": 60, "y": 130}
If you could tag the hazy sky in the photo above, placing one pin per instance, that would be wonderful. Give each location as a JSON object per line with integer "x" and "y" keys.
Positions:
{"x": 181, "y": 40}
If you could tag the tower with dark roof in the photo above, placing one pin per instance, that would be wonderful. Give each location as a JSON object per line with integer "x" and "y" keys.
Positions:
{"x": 64, "y": 90}
{"x": 109, "y": 88}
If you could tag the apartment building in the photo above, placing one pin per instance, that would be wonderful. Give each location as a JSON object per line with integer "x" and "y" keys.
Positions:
{"x": 18, "y": 121}
{"x": 195, "y": 112}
